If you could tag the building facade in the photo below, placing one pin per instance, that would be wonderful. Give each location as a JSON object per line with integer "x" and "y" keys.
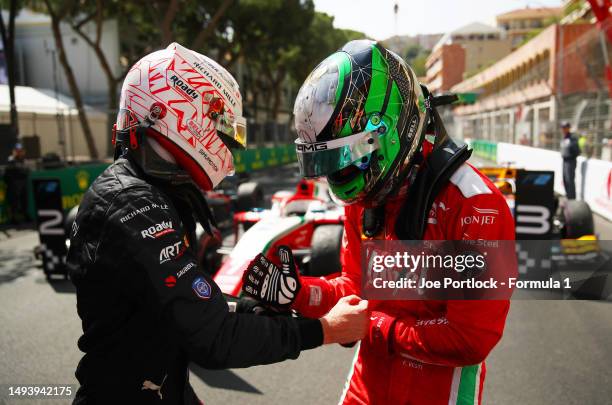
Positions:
{"x": 522, "y": 98}
{"x": 445, "y": 67}
{"x": 519, "y": 24}
{"x": 482, "y": 45}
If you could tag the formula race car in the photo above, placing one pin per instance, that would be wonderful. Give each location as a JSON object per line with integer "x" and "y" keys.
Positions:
{"x": 539, "y": 213}
{"x": 305, "y": 220}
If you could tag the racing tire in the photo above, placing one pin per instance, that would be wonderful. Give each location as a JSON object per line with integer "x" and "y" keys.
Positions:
{"x": 325, "y": 253}
{"x": 248, "y": 196}
{"x": 577, "y": 219}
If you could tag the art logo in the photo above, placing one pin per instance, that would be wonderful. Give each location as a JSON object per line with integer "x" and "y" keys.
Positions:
{"x": 174, "y": 251}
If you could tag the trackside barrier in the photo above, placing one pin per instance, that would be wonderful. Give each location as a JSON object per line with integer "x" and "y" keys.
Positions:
{"x": 75, "y": 180}
{"x": 484, "y": 149}
{"x": 593, "y": 176}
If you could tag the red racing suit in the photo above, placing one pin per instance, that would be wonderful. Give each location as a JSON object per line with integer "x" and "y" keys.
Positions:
{"x": 421, "y": 352}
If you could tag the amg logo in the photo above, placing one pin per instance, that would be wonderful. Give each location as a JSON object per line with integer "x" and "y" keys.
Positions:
{"x": 311, "y": 147}
{"x": 157, "y": 230}
{"x": 185, "y": 89}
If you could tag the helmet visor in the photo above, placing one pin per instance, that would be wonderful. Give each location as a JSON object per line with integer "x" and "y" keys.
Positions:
{"x": 323, "y": 158}
{"x": 232, "y": 131}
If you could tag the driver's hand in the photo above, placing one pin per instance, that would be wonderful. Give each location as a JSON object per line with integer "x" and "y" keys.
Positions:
{"x": 269, "y": 284}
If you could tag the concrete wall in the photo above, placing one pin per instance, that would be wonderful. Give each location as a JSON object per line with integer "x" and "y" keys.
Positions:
{"x": 593, "y": 176}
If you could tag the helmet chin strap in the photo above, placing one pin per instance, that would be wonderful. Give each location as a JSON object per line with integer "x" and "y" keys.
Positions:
{"x": 160, "y": 168}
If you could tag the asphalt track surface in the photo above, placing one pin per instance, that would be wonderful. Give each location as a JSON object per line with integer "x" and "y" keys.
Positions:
{"x": 552, "y": 352}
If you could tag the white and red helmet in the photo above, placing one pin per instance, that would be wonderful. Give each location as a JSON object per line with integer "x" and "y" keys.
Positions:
{"x": 191, "y": 106}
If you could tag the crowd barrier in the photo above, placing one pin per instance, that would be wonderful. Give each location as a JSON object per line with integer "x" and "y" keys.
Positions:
{"x": 75, "y": 180}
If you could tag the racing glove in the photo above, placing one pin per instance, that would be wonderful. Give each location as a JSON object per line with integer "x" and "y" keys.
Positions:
{"x": 270, "y": 284}
{"x": 249, "y": 305}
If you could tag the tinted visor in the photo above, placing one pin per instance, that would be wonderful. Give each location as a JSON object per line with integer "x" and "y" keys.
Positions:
{"x": 323, "y": 158}
{"x": 232, "y": 131}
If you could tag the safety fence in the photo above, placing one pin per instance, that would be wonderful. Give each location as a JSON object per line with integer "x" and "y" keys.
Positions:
{"x": 559, "y": 76}
{"x": 75, "y": 180}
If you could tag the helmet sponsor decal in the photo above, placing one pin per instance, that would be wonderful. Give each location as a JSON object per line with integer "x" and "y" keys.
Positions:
{"x": 201, "y": 288}
{"x": 311, "y": 147}
{"x": 183, "y": 88}
{"x": 414, "y": 124}
{"x": 188, "y": 98}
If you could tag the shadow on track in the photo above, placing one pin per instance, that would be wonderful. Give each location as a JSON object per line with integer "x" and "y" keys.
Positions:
{"x": 225, "y": 379}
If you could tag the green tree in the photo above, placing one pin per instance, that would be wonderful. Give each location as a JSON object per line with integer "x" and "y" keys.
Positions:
{"x": 416, "y": 56}
{"x": 58, "y": 10}
{"x": 418, "y": 65}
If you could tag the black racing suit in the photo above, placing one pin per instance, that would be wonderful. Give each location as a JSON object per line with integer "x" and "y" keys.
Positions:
{"x": 147, "y": 309}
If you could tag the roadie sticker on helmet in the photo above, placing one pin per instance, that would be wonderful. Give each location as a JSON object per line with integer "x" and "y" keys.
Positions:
{"x": 201, "y": 288}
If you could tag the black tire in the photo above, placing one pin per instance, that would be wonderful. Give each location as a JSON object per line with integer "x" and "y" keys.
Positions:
{"x": 577, "y": 219}
{"x": 69, "y": 220}
{"x": 248, "y": 196}
{"x": 325, "y": 253}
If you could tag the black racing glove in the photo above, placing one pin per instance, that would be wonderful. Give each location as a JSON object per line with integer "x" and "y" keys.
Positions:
{"x": 249, "y": 305}
{"x": 269, "y": 284}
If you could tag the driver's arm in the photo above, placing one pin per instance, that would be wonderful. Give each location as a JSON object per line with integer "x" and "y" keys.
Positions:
{"x": 177, "y": 290}
{"x": 318, "y": 295}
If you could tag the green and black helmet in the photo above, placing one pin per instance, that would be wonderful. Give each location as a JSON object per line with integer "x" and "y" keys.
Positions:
{"x": 360, "y": 117}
